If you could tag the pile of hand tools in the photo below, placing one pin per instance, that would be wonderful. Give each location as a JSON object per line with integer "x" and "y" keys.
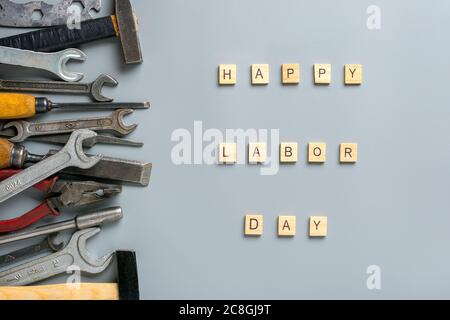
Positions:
{"x": 70, "y": 178}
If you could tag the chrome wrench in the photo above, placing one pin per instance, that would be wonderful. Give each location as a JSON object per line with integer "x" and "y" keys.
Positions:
{"x": 51, "y": 62}
{"x": 14, "y": 14}
{"x": 100, "y": 139}
{"x": 93, "y": 89}
{"x": 113, "y": 124}
{"x": 46, "y": 245}
{"x": 75, "y": 254}
{"x": 71, "y": 155}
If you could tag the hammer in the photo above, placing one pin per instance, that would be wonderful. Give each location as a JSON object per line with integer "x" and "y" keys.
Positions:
{"x": 122, "y": 25}
{"x": 127, "y": 287}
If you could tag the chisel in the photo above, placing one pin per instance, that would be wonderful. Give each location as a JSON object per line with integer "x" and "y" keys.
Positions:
{"x": 22, "y": 106}
{"x": 110, "y": 169}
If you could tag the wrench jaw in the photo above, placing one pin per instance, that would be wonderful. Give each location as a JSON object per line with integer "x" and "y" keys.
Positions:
{"x": 62, "y": 70}
{"x": 20, "y": 127}
{"x": 53, "y": 244}
{"x": 91, "y": 5}
{"x": 89, "y": 265}
{"x": 98, "y": 84}
{"x": 121, "y": 128}
{"x": 74, "y": 254}
{"x": 75, "y": 147}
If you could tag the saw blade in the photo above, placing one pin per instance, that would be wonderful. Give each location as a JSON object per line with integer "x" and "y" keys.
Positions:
{"x": 37, "y": 14}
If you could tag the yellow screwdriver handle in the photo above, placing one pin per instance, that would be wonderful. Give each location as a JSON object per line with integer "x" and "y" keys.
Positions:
{"x": 5, "y": 153}
{"x": 17, "y": 106}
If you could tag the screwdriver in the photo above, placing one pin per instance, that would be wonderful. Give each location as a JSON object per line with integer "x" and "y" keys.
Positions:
{"x": 22, "y": 106}
{"x": 15, "y": 156}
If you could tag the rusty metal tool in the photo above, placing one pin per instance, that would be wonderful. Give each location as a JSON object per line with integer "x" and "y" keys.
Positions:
{"x": 113, "y": 124}
{"x": 72, "y": 155}
{"x": 93, "y": 89}
{"x": 36, "y": 14}
{"x": 61, "y": 194}
{"x": 108, "y": 168}
{"x": 74, "y": 254}
{"x": 123, "y": 25}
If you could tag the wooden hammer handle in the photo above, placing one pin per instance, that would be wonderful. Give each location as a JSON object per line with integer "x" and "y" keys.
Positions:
{"x": 85, "y": 291}
{"x": 62, "y": 37}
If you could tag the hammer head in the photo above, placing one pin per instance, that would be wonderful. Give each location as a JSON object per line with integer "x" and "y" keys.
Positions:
{"x": 128, "y": 280}
{"x": 128, "y": 30}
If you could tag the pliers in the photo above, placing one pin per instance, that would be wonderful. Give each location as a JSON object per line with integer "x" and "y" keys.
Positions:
{"x": 62, "y": 194}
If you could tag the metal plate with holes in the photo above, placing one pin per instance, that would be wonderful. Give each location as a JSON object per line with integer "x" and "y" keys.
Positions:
{"x": 43, "y": 14}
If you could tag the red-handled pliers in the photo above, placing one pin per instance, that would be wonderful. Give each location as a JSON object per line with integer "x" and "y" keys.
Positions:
{"x": 63, "y": 194}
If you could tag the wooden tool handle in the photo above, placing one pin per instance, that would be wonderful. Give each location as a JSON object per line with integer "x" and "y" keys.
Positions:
{"x": 5, "y": 153}
{"x": 17, "y": 106}
{"x": 86, "y": 291}
{"x": 62, "y": 37}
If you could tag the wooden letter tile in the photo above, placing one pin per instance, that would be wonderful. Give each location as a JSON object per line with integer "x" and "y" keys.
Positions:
{"x": 322, "y": 73}
{"x": 353, "y": 74}
{"x": 227, "y": 74}
{"x": 260, "y": 73}
{"x": 227, "y": 153}
{"x": 318, "y": 226}
{"x": 290, "y": 73}
{"x": 317, "y": 152}
{"x": 254, "y": 225}
{"x": 257, "y": 153}
{"x": 289, "y": 152}
{"x": 287, "y": 226}
{"x": 349, "y": 153}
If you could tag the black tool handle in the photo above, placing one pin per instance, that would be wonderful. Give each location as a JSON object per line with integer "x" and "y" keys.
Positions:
{"x": 62, "y": 37}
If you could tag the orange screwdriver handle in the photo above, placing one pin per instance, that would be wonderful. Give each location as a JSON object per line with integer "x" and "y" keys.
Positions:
{"x": 17, "y": 106}
{"x": 6, "y": 151}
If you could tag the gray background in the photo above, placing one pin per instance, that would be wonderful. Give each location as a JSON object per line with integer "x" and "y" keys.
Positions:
{"x": 390, "y": 210}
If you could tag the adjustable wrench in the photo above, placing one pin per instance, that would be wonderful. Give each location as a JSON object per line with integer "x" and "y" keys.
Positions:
{"x": 113, "y": 124}
{"x": 71, "y": 155}
{"x": 75, "y": 254}
{"x": 93, "y": 89}
{"x": 14, "y": 14}
{"x": 52, "y": 62}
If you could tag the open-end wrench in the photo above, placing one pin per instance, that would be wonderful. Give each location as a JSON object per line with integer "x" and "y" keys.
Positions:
{"x": 100, "y": 139}
{"x": 52, "y": 62}
{"x": 75, "y": 254}
{"x": 113, "y": 124}
{"x": 13, "y": 14}
{"x": 47, "y": 245}
{"x": 61, "y": 139}
{"x": 93, "y": 89}
{"x": 71, "y": 155}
